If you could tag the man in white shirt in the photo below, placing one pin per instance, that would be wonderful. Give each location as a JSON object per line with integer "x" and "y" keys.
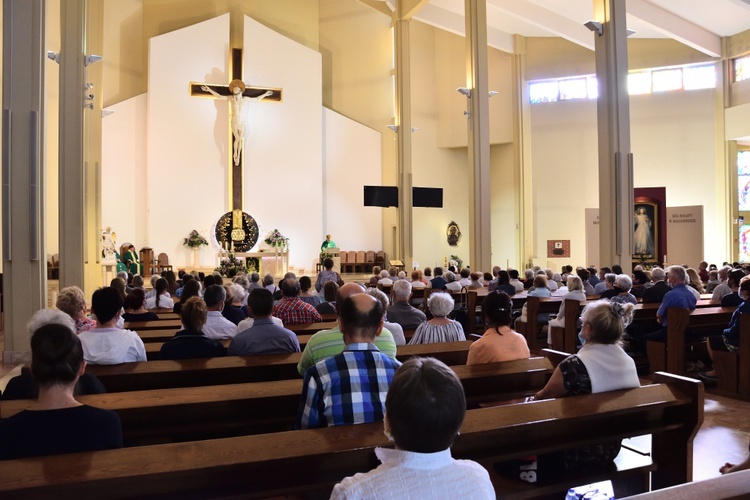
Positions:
{"x": 385, "y": 278}
{"x": 515, "y": 281}
{"x": 425, "y": 408}
{"x": 723, "y": 287}
{"x": 107, "y": 344}
{"x": 465, "y": 280}
{"x": 217, "y": 327}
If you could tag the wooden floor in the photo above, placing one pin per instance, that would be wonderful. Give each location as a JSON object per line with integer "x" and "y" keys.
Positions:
{"x": 724, "y": 436}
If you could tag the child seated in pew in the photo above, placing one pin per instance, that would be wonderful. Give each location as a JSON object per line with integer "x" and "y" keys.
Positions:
{"x": 58, "y": 423}
{"x": 425, "y": 408}
{"x": 190, "y": 342}
{"x": 600, "y": 366}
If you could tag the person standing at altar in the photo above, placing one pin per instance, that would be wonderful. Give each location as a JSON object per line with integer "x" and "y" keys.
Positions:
{"x": 328, "y": 243}
{"x": 328, "y": 274}
{"x": 292, "y": 310}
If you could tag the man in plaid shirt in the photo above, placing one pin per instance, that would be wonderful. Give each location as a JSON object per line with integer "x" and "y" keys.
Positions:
{"x": 349, "y": 388}
{"x": 292, "y": 310}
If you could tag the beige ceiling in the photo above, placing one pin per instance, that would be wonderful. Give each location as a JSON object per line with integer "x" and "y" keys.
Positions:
{"x": 698, "y": 23}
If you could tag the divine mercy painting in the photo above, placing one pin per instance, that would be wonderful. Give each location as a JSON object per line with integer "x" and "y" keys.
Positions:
{"x": 644, "y": 230}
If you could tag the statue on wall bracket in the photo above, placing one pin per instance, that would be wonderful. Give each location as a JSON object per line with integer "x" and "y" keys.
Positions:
{"x": 454, "y": 234}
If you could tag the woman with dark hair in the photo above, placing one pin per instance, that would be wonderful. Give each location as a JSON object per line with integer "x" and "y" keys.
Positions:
{"x": 503, "y": 283}
{"x": 499, "y": 342}
{"x": 327, "y": 274}
{"x": 161, "y": 300}
{"x": 329, "y": 295}
{"x": 425, "y": 408}
{"x": 305, "y": 284}
{"x": 57, "y": 423}
{"x": 191, "y": 289}
{"x": 171, "y": 282}
{"x": 191, "y": 342}
{"x": 135, "y": 309}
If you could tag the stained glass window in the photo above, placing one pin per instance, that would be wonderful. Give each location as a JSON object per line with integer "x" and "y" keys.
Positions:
{"x": 743, "y": 162}
{"x": 743, "y": 186}
{"x": 741, "y": 68}
{"x": 543, "y": 91}
{"x": 699, "y": 77}
{"x": 639, "y": 83}
{"x": 744, "y": 243}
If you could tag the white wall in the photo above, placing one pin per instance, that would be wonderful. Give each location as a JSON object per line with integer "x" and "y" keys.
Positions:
{"x": 284, "y": 142}
{"x": 672, "y": 137}
{"x": 124, "y": 202}
{"x": 188, "y": 137}
{"x": 351, "y": 161}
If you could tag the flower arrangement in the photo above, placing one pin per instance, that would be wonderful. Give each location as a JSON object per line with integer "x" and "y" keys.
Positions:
{"x": 230, "y": 265}
{"x": 458, "y": 260}
{"x": 276, "y": 239}
{"x": 194, "y": 240}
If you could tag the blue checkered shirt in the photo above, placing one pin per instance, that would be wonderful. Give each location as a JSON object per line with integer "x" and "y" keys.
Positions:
{"x": 348, "y": 388}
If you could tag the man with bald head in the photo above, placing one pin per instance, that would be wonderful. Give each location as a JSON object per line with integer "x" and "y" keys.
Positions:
{"x": 292, "y": 310}
{"x": 327, "y": 343}
{"x": 350, "y": 387}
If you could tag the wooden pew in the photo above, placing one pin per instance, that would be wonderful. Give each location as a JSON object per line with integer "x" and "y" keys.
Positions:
{"x": 296, "y": 462}
{"x": 170, "y": 415}
{"x": 147, "y": 375}
{"x": 735, "y": 485}
{"x": 733, "y": 368}
{"x": 670, "y": 355}
{"x": 566, "y": 338}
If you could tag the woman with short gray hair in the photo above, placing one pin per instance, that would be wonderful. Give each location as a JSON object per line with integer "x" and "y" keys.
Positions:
{"x": 71, "y": 301}
{"x": 440, "y": 328}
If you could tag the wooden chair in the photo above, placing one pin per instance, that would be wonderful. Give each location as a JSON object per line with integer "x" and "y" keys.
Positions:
{"x": 53, "y": 267}
{"x": 163, "y": 263}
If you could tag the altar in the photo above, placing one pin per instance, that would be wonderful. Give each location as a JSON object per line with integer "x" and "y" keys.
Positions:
{"x": 275, "y": 263}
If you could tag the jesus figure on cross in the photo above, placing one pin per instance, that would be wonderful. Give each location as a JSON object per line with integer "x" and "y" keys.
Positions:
{"x": 237, "y": 87}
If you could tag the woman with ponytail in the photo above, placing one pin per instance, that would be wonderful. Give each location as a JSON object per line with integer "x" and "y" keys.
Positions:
{"x": 499, "y": 342}
{"x": 161, "y": 300}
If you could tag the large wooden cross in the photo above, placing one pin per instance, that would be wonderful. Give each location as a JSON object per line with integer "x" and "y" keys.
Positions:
{"x": 236, "y": 92}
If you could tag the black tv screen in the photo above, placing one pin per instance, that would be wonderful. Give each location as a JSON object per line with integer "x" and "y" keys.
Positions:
{"x": 427, "y": 197}
{"x": 381, "y": 196}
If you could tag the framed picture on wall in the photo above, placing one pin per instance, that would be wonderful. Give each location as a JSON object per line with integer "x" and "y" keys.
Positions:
{"x": 645, "y": 231}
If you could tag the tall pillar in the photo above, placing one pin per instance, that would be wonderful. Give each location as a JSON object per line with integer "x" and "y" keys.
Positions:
{"x": 615, "y": 157}
{"x": 479, "y": 135}
{"x": 72, "y": 193}
{"x": 522, "y": 174}
{"x": 403, "y": 138}
{"x": 23, "y": 249}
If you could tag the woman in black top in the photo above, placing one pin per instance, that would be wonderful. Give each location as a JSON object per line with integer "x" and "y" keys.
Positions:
{"x": 136, "y": 309}
{"x": 191, "y": 289}
{"x": 191, "y": 342}
{"x": 57, "y": 423}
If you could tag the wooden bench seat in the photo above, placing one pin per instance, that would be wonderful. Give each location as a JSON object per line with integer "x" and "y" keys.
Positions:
{"x": 671, "y": 355}
{"x": 148, "y": 375}
{"x": 169, "y": 415}
{"x": 296, "y": 462}
{"x": 733, "y": 368}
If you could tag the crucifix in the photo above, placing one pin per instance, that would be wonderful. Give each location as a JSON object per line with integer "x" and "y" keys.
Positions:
{"x": 236, "y": 92}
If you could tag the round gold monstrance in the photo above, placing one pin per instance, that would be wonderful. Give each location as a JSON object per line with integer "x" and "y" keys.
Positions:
{"x": 237, "y": 229}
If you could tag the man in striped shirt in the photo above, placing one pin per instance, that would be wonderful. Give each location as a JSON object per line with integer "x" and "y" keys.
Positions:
{"x": 350, "y": 387}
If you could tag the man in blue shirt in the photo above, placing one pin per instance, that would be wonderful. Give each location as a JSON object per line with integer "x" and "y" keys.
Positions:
{"x": 350, "y": 387}
{"x": 438, "y": 282}
{"x": 264, "y": 337}
{"x": 678, "y": 296}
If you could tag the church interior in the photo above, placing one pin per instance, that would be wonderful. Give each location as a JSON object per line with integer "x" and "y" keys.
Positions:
{"x": 374, "y": 93}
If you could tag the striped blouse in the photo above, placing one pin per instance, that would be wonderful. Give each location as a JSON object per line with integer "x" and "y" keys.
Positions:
{"x": 427, "y": 333}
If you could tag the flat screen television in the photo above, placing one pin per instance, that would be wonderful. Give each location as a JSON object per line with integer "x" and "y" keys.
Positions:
{"x": 427, "y": 197}
{"x": 381, "y": 196}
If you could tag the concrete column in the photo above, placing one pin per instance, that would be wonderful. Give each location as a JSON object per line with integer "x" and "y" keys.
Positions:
{"x": 23, "y": 249}
{"x": 522, "y": 177}
{"x": 480, "y": 257}
{"x": 72, "y": 193}
{"x": 615, "y": 157}
{"x": 403, "y": 139}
